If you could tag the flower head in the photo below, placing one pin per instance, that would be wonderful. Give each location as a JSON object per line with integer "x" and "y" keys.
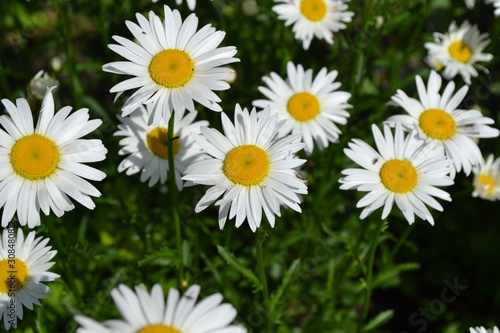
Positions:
{"x": 43, "y": 166}
{"x": 459, "y": 50}
{"x": 251, "y": 167}
{"x": 150, "y": 313}
{"x": 404, "y": 170}
{"x": 147, "y": 146}
{"x": 313, "y": 18}
{"x": 483, "y": 330}
{"x": 487, "y": 179}
{"x": 437, "y": 118}
{"x": 173, "y": 65}
{"x": 312, "y": 107}
{"x": 30, "y": 259}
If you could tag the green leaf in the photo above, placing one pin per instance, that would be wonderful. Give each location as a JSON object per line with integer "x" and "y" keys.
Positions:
{"x": 240, "y": 267}
{"x": 387, "y": 274}
{"x": 284, "y": 284}
{"x": 165, "y": 253}
{"x": 379, "y": 320}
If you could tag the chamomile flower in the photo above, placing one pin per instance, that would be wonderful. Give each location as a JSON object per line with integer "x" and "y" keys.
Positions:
{"x": 173, "y": 65}
{"x": 313, "y": 18}
{"x": 404, "y": 170}
{"x": 311, "y": 106}
{"x": 487, "y": 179}
{"x": 147, "y": 149}
{"x": 252, "y": 168}
{"x": 147, "y": 313}
{"x": 459, "y": 50}
{"x": 483, "y": 330}
{"x": 23, "y": 271}
{"x": 43, "y": 166}
{"x": 437, "y": 118}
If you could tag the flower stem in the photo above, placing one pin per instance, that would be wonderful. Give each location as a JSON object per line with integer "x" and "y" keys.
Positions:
{"x": 259, "y": 239}
{"x": 173, "y": 196}
{"x": 369, "y": 274}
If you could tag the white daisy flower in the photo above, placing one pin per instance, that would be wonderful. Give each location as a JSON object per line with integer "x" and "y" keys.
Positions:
{"x": 483, "y": 330}
{"x": 173, "y": 64}
{"x": 312, "y": 107}
{"x": 487, "y": 179}
{"x": 313, "y": 18}
{"x": 437, "y": 118}
{"x": 495, "y": 3}
{"x": 43, "y": 166}
{"x": 459, "y": 50}
{"x": 147, "y": 149}
{"x": 404, "y": 170}
{"x": 251, "y": 167}
{"x": 149, "y": 313}
{"x": 470, "y": 3}
{"x": 23, "y": 271}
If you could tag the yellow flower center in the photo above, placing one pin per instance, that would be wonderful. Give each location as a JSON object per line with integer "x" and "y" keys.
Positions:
{"x": 460, "y": 51}
{"x": 34, "y": 157}
{"x": 13, "y": 275}
{"x": 246, "y": 165}
{"x": 437, "y": 124}
{"x": 488, "y": 185}
{"x": 398, "y": 176}
{"x": 159, "y": 328}
{"x": 157, "y": 141}
{"x": 314, "y": 10}
{"x": 171, "y": 68}
{"x": 303, "y": 106}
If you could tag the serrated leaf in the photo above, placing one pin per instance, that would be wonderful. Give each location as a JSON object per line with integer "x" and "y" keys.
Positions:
{"x": 240, "y": 267}
{"x": 284, "y": 284}
{"x": 379, "y": 320}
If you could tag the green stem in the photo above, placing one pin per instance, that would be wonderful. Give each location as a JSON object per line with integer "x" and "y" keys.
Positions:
{"x": 369, "y": 274}
{"x": 173, "y": 196}
{"x": 259, "y": 239}
{"x": 402, "y": 239}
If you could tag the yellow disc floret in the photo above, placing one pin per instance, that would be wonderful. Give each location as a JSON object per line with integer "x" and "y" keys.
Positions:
{"x": 437, "y": 124}
{"x": 171, "y": 68}
{"x": 159, "y": 328}
{"x": 487, "y": 184}
{"x": 34, "y": 157}
{"x": 314, "y": 10}
{"x": 13, "y": 275}
{"x": 303, "y": 106}
{"x": 398, "y": 176}
{"x": 157, "y": 141}
{"x": 246, "y": 165}
{"x": 460, "y": 51}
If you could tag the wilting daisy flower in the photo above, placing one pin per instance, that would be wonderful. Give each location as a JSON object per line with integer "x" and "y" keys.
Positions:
{"x": 147, "y": 149}
{"x": 437, "y": 118}
{"x": 487, "y": 179}
{"x": 23, "y": 270}
{"x": 313, "y": 18}
{"x": 404, "y": 171}
{"x": 147, "y": 313}
{"x": 312, "y": 107}
{"x": 173, "y": 64}
{"x": 459, "y": 49}
{"x": 483, "y": 330}
{"x": 251, "y": 167}
{"x": 42, "y": 166}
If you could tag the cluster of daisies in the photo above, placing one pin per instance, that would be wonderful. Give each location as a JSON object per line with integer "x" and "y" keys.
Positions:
{"x": 252, "y": 166}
